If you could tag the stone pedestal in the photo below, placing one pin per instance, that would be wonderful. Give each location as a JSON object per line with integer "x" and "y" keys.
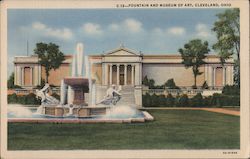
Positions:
{"x": 78, "y": 86}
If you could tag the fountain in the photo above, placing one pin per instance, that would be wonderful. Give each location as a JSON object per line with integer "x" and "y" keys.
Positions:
{"x": 73, "y": 106}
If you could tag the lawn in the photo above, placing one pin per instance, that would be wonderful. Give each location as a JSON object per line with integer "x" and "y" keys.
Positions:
{"x": 172, "y": 129}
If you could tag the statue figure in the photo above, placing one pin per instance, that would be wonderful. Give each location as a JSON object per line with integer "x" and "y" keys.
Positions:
{"x": 46, "y": 99}
{"x": 113, "y": 95}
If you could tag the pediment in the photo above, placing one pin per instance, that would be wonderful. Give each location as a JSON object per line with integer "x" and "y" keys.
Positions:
{"x": 121, "y": 52}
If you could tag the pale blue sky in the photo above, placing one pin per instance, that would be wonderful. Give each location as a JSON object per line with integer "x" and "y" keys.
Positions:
{"x": 152, "y": 31}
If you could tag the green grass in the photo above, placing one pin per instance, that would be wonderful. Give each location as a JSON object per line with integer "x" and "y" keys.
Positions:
{"x": 172, "y": 129}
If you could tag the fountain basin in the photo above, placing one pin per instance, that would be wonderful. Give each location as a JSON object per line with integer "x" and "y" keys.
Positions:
{"x": 78, "y": 111}
{"x": 93, "y": 115}
{"x": 80, "y": 121}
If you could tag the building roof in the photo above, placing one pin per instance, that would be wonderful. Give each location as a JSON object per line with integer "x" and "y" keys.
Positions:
{"x": 122, "y": 49}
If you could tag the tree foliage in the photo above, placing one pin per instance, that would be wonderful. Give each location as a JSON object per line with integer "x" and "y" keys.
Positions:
{"x": 11, "y": 84}
{"x": 227, "y": 29}
{"x": 148, "y": 82}
{"x": 193, "y": 55}
{"x": 171, "y": 84}
{"x": 49, "y": 56}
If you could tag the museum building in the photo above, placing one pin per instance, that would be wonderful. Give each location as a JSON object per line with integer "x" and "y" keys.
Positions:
{"x": 126, "y": 67}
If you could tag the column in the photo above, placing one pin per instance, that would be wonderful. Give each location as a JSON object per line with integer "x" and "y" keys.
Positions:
{"x": 110, "y": 74}
{"x": 19, "y": 80}
{"x": 39, "y": 75}
{"x": 137, "y": 74}
{"x": 140, "y": 74}
{"x": 15, "y": 75}
{"x": 106, "y": 74}
{"x": 31, "y": 76}
{"x": 103, "y": 74}
{"x": 118, "y": 74}
{"x": 125, "y": 74}
{"x": 22, "y": 76}
{"x": 132, "y": 74}
{"x": 214, "y": 73}
{"x": 232, "y": 75}
{"x": 224, "y": 76}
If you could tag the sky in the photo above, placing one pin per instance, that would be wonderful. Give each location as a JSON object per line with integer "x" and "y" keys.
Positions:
{"x": 151, "y": 31}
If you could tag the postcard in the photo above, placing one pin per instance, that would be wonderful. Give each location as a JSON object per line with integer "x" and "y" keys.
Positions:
{"x": 124, "y": 79}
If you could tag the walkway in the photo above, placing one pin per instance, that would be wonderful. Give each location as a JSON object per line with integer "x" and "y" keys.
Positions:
{"x": 216, "y": 110}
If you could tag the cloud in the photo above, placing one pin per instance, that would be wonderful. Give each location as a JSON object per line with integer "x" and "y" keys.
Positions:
{"x": 38, "y": 26}
{"x": 176, "y": 31}
{"x": 131, "y": 25}
{"x": 62, "y": 33}
{"x": 92, "y": 29}
{"x": 202, "y": 30}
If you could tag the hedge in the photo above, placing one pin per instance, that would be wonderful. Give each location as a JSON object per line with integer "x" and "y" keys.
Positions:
{"x": 217, "y": 100}
{"x": 29, "y": 99}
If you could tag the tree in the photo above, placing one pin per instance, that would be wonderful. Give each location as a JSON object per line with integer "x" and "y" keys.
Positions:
{"x": 193, "y": 55}
{"x": 170, "y": 84}
{"x": 148, "y": 82}
{"x": 10, "y": 83}
{"x": 227, "y": 29}
{"x": 49, "y": 56}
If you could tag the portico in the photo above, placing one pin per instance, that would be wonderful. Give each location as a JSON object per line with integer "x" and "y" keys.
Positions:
{"x": 120, "y": 74}
{"x": 121, "y": 67}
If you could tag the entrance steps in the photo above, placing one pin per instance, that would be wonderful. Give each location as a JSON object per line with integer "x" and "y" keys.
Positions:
{"x": 128, "y": 97}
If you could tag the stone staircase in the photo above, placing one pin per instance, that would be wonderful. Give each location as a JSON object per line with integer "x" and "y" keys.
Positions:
{"x": 128, "y": 97}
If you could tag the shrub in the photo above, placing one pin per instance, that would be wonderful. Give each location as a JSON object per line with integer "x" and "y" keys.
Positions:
{"x": 231, "y": 90}
{"x": 12, "y": 98}
{"x": 220, "y": 100}
{"x": 207, "y": 101}
{"x": 183, "y": 101}
{"x": 171, "y": 84}
{"x": 154, "y": 100}
{"x": 170, "y": 100}
{"x": 197, "y": 100}
{"x": 217, "y": 100}
{"x": 146, "y": 100}
{"x": 148, "y": 82}
{"x": 162, "y": 100}
{"x": 29, "y": 99}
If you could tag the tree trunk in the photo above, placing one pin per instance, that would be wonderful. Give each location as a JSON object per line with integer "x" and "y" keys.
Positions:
{"x": 195, "y": 81}
{"x": 47, "y": 76}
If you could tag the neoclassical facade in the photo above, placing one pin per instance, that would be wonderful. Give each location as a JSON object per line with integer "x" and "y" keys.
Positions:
{"x": 28, "y": 73}
{"x": 123, "y": 66}
{"x": 126, "y": 67}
